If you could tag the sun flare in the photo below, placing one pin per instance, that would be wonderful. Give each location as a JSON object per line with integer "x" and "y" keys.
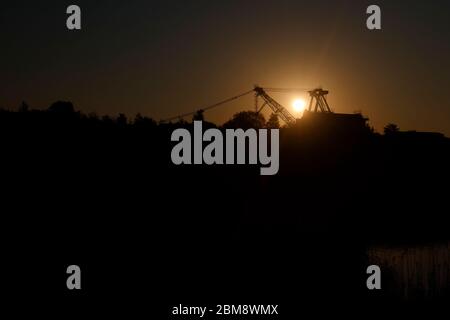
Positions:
{"x": 299, "y": 105}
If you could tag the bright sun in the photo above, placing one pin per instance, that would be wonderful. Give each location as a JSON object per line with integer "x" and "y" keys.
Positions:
{"x": 299, "y": 105}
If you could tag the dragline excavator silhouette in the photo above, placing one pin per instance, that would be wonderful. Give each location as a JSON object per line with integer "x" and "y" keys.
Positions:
{"x": 318, "y": 103}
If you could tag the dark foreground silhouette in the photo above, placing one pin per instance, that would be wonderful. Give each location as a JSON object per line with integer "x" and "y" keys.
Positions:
{"x": 102, "y": 193}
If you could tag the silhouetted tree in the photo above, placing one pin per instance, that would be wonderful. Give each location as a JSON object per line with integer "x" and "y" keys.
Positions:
{"x": 273, "y": 122}
{"x": 138, "y": 118}
{"x": 107, "y": 120}
{"x": 122, "y": 120}
{"x": 246, "y": 120}
{"x": 181, "y": 122}
{"x": 93, "y": 116}
{"x": 391, "y": 128}
{"x": 199, "y": 116}
{"x": 142, "y": 122}
{"x": 62, "y": 107}
{"x": 24, "y": 107}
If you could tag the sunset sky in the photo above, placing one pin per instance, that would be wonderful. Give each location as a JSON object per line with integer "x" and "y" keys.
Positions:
{"x": 162, "y": 58}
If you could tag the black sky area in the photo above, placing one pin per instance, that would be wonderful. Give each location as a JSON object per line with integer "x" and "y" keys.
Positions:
{"x": 162, "y": 58}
